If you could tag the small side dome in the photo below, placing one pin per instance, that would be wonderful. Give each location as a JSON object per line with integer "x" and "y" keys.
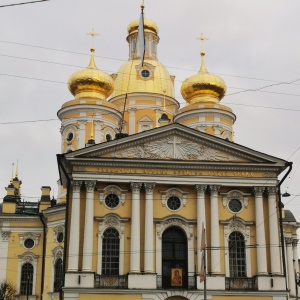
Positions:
{"x": 91, "y": 82}
{"x": 149, "y": 26}
{"x": 203, "y": 87}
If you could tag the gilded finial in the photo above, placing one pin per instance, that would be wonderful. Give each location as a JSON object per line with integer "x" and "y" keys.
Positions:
{"x": 202, "y": 38}
{"x": 143, "y": 5}
{"x": 93, "y": 34}
{"x": 92, "y": 64}
{"x": 17, "y": 169}
{"x": 12, "y": 172}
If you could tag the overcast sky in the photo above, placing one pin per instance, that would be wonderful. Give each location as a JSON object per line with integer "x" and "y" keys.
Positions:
{"x": 252, "y": 44}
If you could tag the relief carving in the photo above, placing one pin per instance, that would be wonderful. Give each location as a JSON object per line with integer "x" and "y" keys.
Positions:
{"x": 175, "y": 148}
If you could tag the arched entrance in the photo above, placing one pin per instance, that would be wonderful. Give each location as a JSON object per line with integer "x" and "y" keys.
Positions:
{"x": 174, "y": 258}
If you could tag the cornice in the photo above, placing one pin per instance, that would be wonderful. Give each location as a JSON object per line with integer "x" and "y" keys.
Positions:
{"x": 205, "y": 112}
{"x": 175, "y": 165}
{"x": 78, "y": 108}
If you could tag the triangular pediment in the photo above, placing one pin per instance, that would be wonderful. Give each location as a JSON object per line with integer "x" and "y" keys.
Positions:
{"x": 175, "y": 142}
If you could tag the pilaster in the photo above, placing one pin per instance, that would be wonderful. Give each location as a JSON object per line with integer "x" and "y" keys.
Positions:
{"x": 73, "y": 253}
{"x": 88, "y": 227}
{"x": 215, "y": 230}
{"x": 260, "y": 232}
{"x": 201, "y": 220}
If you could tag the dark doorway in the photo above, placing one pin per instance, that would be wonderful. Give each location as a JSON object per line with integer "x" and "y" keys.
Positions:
{"x": 174, "y": 258}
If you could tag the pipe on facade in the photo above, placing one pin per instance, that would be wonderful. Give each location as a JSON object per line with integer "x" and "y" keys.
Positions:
{"x": 44, "y": 255}
{"x": 66, "y": 226}
{"x": 290, "y": 165}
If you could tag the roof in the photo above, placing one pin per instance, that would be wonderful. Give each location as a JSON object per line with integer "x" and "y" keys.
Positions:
{"x": 288, "y": 216}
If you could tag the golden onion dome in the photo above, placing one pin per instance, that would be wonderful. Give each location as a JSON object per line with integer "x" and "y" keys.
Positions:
{"x": 149, "y": 26}
{"x": 203, "y": 87}
{"x": 91, "y": 82}
{"x": 129, "y": 79}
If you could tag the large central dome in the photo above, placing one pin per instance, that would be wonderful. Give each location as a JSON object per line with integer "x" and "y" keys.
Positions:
{"x": 131, "y": 79}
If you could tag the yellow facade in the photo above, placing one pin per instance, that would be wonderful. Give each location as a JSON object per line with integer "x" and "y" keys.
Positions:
{"x": 146, "y": 188}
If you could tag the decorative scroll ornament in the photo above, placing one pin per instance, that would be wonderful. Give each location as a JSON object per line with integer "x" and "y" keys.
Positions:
{"x": 165, "y": 195}
{"x": 112, "y": 189}
{"x": 188, "y": 228}
{"x": 175, "y": 148}
{"x": 111, "y": 221}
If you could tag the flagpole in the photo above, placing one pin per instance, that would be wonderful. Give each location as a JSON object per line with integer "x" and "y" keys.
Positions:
{"x": 204, "y": 272}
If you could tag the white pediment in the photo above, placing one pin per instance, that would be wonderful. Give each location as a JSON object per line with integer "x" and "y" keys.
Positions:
{"x": 173, "y": 147}
{"x": 175, "y": 142}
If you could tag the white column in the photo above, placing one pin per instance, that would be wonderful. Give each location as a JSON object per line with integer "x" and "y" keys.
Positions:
{"x": 98, "y": 132}
{"x": 274, "y": 231}
{"x": 88, "y": 227}
{"x": 149, "y": 238}
{"x": 74, "y": 228}
{"x": 295, "y": 256}
{"x": 290, "y": 267}
{"x": 201, "y": 219}
{"x": 135, "y": 229}
{"x": 81, "y": 134}
{"x": 132, "y": 123}
{"x": 215, "y": 230}
{"x": 4, "y": 239}
{"x": 260, "y": 231}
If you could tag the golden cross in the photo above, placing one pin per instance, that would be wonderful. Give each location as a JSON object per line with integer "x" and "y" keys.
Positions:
{"x": 202, "y": 38}
{"x": 93, "y": 34}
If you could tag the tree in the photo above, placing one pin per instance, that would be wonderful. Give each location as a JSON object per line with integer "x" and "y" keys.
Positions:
{"x": 7, "y": 291}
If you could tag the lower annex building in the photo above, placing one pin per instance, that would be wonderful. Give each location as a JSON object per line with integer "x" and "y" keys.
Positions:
{"x": 129, "y": 218}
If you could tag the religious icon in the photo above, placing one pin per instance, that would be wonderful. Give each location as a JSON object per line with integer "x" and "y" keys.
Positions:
{"x": 176, "y": 277}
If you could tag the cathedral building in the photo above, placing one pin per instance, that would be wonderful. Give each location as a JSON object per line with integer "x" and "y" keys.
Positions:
{"x": 146, "y": 189}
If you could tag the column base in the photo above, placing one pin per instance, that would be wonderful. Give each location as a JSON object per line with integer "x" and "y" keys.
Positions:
{"x": 79, "y": 279}
{"x": 271, "y": 283}
{"x": 142, "y": 281}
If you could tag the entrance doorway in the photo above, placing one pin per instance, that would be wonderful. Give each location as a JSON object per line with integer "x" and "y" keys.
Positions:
{"x": 174, "y": 258}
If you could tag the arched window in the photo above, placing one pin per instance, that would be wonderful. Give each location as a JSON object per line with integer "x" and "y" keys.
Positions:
{"x": 237, "y": 255}
{"x": 174, "y": 257}
{"x": 26, "y": 279}
{"x": 58, "y": 275}
{"x": 110, "y": 252}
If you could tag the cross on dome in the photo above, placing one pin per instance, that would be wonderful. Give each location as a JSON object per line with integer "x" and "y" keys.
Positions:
{"x": 202, "y": 39}
{"x": 93, "y": 34}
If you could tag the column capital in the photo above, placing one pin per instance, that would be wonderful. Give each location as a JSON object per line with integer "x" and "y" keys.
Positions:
{"x": 214, "y": 188}
{"x": 76, "y": 185}
{"x": 90, "y": 185}
{"x": 288, "y": 241}
{"x": 200, "y": 188}
{"x": 5, "y": 236}
{"x": 295, "y": 242}
{"x": 272, "y": 190}
{"x": 149, "y": 187}
{"x": 258, "y": 190}
{"x": 135, "y": 186}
